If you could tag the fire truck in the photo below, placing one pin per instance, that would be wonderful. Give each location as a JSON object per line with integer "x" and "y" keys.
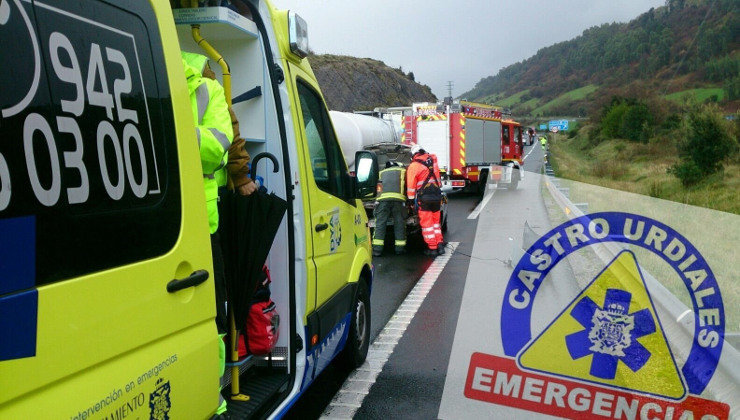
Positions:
{"x": 472, "y": 141}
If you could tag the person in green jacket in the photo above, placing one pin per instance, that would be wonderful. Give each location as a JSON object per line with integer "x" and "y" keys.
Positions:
{"x": 212, "y": 127}
{"x": 214, "y": 133}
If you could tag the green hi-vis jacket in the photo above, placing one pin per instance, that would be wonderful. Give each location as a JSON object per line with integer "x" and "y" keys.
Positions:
{"x": 212, "y": 126}
{"x": 392, "y": 184}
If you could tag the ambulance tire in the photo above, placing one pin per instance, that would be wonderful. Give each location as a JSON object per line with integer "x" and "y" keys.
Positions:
{"x": 513, "y": 184}
{"x": 358, "y": 340}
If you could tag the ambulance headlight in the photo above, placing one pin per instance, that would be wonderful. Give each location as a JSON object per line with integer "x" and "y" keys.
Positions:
{"x": 297, "y": 34}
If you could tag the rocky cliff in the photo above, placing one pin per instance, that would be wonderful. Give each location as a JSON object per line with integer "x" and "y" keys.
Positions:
{"x": 361, "y": 84}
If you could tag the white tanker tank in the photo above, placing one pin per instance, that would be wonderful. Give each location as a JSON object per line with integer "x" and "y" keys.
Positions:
{"x": 355, "y": 131}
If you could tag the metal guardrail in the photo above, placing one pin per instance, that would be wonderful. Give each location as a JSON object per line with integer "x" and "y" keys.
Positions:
{"x": 726, "y": 380}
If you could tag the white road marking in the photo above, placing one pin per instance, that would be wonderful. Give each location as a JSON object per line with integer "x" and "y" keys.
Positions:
{"x": 349, "y": 398}
{"x": 482, "y": 204}
{"x": 530, "y": 152}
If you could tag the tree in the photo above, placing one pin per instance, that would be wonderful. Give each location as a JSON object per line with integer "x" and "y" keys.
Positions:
{"x": 709, "y": 141}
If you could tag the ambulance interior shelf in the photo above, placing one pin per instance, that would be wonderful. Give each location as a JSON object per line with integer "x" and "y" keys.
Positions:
{"x": 238, "y": 40}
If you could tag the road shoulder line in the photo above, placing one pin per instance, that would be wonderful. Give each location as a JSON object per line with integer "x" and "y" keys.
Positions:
{"x": 349, "y": 398}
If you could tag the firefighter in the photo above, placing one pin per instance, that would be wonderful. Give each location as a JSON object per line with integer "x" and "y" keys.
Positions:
{"x": 391, "y": 202}
{"x": 214, "y": 131}
{"x": 423, "y": 189}
{"x": 543, "y": 142}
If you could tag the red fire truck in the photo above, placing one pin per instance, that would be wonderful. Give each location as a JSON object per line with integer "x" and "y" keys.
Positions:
{"x": 472, "y": 141}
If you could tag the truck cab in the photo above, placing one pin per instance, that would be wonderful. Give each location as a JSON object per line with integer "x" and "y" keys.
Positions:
{"x": 102, "y": 207}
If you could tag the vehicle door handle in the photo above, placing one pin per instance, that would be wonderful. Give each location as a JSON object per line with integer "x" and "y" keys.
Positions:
{"x": 194, "y": 279}
{"x": 321, "y": 226}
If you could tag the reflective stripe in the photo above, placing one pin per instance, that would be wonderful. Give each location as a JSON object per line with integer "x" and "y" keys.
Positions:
{"x": 436, "y": 225}
{"x": 209, "y": 176}
{"x": 401, "y": 243}
{"x": 201, "y": 99}
{"x": 391, "y": 196}
{"x": 430, "y": 236}
{"x": 221, "y": 165}
{"x": 197, "y": 135}
{"x": 427, "y": 229}
{"x": 221, "y": 137}
{"x": 377, "y": 242}
{"x": 411, "y": 190}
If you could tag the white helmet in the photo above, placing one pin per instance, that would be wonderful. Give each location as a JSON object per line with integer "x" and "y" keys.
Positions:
{"x": 415, "y": 148}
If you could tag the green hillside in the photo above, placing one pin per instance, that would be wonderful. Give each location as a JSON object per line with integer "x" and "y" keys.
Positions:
{"x": 685, "y": 47}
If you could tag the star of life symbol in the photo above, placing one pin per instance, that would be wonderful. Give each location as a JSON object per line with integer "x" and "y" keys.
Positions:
{"x": 610, "y": 334}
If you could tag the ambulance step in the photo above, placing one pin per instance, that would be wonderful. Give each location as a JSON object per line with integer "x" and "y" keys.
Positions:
{"x": 263, "y": 386}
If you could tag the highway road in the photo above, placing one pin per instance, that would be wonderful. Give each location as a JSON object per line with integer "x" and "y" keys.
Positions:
{"x": 419, "y": 363}
{"x": 444, "y": 345}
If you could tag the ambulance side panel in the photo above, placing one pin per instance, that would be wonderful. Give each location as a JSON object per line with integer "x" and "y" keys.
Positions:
{"x": 107, "y": 209}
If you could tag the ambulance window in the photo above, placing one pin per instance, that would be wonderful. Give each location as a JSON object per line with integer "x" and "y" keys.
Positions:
{"x": 89, "y": 176}
{"x": 505, "y": 135}
{"x": 327, "y": 161}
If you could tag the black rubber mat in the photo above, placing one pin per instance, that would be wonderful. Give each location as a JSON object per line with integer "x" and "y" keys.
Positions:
{"x": 262, "y": 386}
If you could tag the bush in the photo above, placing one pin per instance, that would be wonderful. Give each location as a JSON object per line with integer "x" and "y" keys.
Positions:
{"x": 628, "y": 119}
{"x": 636, "y": 123}
{"x": 688, "y": 172}
{"x": 612, "y": 121}
{"x": 709, "y": 141}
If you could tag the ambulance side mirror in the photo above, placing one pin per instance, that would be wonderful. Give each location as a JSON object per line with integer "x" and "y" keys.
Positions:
{"x": 366, "y": 174}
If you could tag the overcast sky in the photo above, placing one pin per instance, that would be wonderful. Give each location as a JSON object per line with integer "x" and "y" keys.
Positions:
{"x": 462, "y": 41}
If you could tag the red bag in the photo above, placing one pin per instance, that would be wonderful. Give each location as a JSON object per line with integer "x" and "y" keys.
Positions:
{"x": 263, "y": 321}
{"x": 241, "y": 347}
{"x": 262, "y": 327}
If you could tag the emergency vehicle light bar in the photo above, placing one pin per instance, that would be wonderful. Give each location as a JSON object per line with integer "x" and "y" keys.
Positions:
{"x": 297, "y": 34}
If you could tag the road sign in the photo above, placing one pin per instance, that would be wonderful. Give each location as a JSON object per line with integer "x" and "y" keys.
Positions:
{"x": 560, "y": 124}
{"x": 543, "y": 126}
{"x": 554, "y": 129}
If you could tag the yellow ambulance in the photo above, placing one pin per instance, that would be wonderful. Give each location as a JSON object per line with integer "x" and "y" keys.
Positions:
{"x": 102, "y": 207}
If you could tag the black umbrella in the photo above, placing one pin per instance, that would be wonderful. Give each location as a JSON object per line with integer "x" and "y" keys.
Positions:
{"x": 248, "y": 228}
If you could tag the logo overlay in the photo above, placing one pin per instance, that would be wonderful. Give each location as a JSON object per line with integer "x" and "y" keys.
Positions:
{"x": 159, "y": 401}
{"x": 609, "y": 334}
{"x": 605, "y": 353}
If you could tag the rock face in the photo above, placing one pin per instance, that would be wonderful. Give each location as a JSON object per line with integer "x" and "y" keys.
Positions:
{"x": 361, "y": 84}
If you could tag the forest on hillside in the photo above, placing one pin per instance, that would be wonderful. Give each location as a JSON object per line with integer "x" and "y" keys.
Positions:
{"x": 682, "y": 45}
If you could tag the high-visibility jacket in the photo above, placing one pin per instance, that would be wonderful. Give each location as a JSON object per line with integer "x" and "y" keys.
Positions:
{"x": 392, "y": 184}
{"x": 417, "y": 173}
{"x": 212, "y": 126}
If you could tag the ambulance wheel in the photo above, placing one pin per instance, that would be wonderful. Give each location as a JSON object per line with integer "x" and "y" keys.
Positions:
{"x": 513, "y": 184}
{"x": 358, "y": 341}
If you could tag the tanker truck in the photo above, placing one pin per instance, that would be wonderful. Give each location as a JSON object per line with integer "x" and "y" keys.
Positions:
{"x": 357, "y": 132}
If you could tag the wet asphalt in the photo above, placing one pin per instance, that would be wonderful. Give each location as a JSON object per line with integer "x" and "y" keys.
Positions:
{"x": 411, "y": 383}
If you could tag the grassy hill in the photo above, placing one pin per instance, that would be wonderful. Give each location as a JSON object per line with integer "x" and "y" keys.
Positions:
{"x": 686, "y": 47}
{"x": 361, "y": 84}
